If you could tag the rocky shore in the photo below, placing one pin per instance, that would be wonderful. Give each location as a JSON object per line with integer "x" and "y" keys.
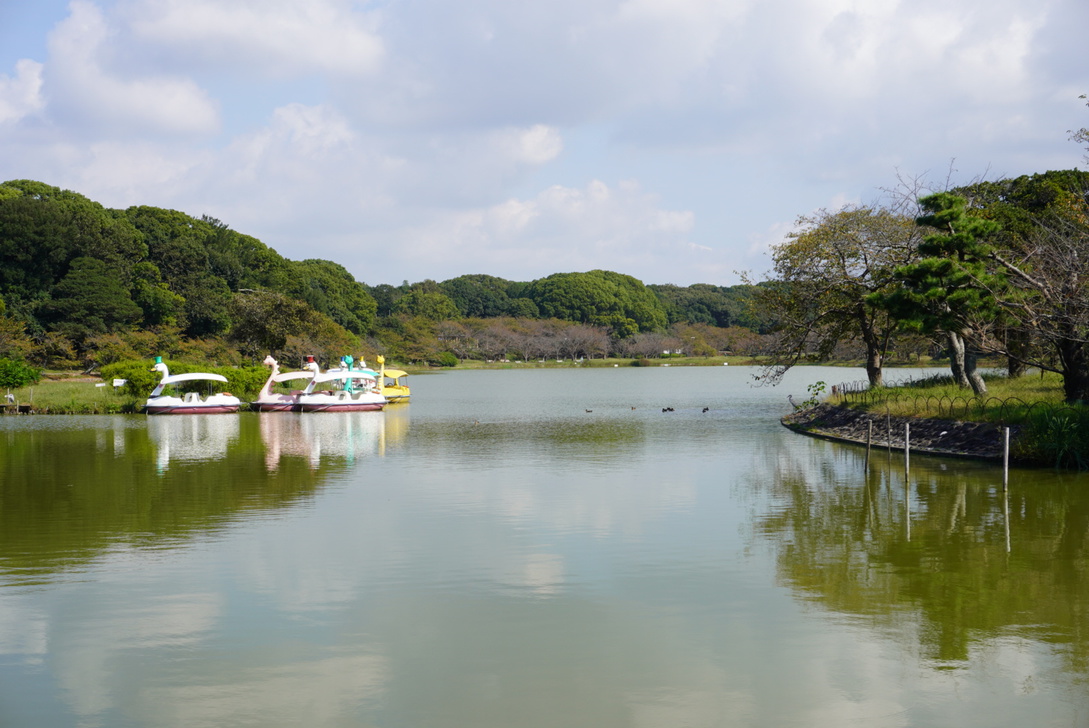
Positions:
{"x": 979, "y": 440}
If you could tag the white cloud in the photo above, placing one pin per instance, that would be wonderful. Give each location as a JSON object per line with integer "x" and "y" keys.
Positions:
{"x": 22, "y": 94}
{"x": 619, "y": 228}
{"x": 85, "y": 88}
{"x": 268, "y": 37}
{"x": 536, "y": 145}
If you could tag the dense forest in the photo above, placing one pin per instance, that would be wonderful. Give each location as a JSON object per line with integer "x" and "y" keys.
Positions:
{"x": 82, "y": 286}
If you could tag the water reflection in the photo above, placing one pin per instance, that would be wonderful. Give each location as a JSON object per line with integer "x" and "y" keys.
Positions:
{"x": 343, "y": 436}
{"x": 518, "y": 560}
{"x": 946, "y": 543}
{"x": 71, "y": 495}
{"x": 191, "y": 438}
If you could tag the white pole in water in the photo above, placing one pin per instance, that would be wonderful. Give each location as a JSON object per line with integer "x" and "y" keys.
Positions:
{"x": 1005, "y": 457}
{"x": 907, "y": 447}
{"x": 869, "y": 440}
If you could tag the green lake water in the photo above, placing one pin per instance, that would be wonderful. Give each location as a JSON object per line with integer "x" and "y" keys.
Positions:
{"x": 531, "y": 548}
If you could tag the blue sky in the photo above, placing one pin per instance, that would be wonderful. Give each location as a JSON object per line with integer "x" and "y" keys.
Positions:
{"x": 671, "y": 140}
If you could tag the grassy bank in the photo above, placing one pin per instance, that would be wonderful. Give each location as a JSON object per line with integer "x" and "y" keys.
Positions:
{"x": 1048, "y": 431}
{"x": 59, "y": 393}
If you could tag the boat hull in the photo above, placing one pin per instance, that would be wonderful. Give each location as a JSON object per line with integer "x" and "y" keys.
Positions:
{"x": 340, "y": 406}
{"x": 274, "y": 406}
{"x": 191, "y": 409}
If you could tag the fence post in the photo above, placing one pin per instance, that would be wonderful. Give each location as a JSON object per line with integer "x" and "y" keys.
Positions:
{"x": 907, "y": 447}
{"x": 1005, "y": 457}
{"x": 869, "y": 439}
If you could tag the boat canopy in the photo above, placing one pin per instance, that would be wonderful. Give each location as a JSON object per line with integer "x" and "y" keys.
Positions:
{"x": 192, "y": 376}
{"x": 288, "y": 376}
{"x": 395, "y": 373}
{"x": 341, "y": 374}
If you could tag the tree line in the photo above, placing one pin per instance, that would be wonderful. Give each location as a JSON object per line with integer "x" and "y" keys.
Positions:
{"x": 82, "y": 285}
{"x": 988, "y": 269}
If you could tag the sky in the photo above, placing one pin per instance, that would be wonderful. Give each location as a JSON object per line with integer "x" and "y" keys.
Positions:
{"x": 675, "y": 141}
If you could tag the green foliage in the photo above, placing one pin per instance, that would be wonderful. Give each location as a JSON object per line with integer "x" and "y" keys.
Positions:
{"x": 43, "y": 230}
{"x": 816, "y": 391}
{"x": 263, "y": 321}
{"x": 206, "y": 311}
{"x": 15, "y": 374}
{"x": 431, "y": 305}
{"x": 445, "y": 359}
{"x": 330, "y": 289}
{"x": 14, "y": 342}
{"x": 949, "y": 289}
{"x": 1055, "y": 436}
{"x": 479, "y": 296}
{"x": 160, "y": 305}
{"x": 90, "y": 300}
{"x": 703, "y": 303}
{"x": 598, "y": 297}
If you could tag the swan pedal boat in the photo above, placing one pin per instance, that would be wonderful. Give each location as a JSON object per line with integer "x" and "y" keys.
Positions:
{"x": 269, "y": 401}
{"x": 345, "y": 399}
{"x": 190, "y": 403}
{"x": 394, "y": 383}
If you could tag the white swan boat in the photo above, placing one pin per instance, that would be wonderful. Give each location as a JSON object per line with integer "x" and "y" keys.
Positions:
{"x": 189, "y": 403}
{"x": 270, "y": 401}
{"x": 351, "y": 390}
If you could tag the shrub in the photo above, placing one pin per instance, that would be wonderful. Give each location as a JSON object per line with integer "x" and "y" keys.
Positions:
{"x": 445, "y": 359}
{"x": 243, "y": 382}
{"x": 1056, "y": 436}
{"x": 15, "y": 374}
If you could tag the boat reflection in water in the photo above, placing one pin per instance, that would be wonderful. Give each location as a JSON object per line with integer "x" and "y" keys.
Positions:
{"x": 332, "y": 438}
{"x": 339, "y": 436}
{"x": 198, "y": 437}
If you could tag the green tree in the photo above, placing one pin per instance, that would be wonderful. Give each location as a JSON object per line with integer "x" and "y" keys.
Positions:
{"x": 598, "y": 297}
{"x": 263, "y": 321}
{"x": 700, "y": 303}
{"x": 91, "y": 300}
{"x": 243, "y": 261}
{"x": 950, "y": 289}
{"x": 160, "y": 305}
{"x": 478, "y": 296}
{"x": 828, "y": 272}
{"x": 329, "y": 288}
{"x": 175, "y": 241}
{"x": 1046, "y": 262}
{"x": 431, "y": 305}
{"x": 43, "y": 229}
{"x": 523, "y": 308}
{"x": 1021, "y": 205}
{"x": 206, "y": 311}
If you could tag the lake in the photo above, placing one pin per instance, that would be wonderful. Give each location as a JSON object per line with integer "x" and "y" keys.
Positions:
{"x": 531, "y": 548}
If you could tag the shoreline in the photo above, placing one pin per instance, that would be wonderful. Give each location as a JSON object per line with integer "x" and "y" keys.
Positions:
{"x": 945, "y": 438}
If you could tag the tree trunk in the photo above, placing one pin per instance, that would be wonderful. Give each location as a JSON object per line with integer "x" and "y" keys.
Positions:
{"x": 874, "y": 372}
{"x": 1017, "y": 346}
{"x": 956, "y": 359}
{"x": 875, "y": 351}
{"x": 1075, "y": 364}
{"x": 971, "y": 357}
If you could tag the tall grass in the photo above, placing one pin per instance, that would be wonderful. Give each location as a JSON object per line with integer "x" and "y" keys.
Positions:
{"x": 75, "y": 397}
